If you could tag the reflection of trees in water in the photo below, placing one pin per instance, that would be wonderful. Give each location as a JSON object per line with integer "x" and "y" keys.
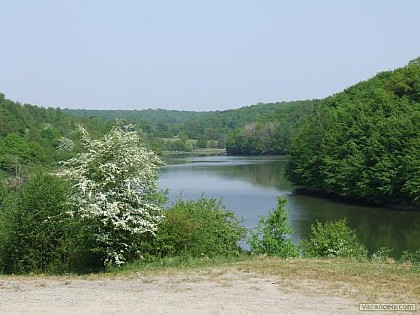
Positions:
{"x": 267, "y": 174}
{"x": 385, "y": 229}
{"x": 411, "y": 235}
{"x": 375, "y": 227}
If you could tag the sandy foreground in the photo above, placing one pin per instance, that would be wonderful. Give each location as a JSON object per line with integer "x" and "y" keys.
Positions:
{"x": 209, "y": 291}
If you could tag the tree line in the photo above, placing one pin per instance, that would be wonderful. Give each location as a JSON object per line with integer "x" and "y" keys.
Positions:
{"x": 269, "y": 135}
{"x": 255, "y": 129}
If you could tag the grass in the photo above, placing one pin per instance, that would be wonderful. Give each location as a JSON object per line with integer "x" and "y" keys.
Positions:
{"x": 363, "y": 281}
{"x": 178, "y": 263}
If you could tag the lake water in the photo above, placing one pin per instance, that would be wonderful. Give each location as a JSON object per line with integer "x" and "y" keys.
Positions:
{"x": 249, "y": 186}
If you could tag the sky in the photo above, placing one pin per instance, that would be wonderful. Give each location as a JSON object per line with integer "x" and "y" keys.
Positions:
{"x": 197, "y": 55}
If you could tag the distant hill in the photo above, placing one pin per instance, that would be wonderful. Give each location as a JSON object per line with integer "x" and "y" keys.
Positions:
{"x": 159, "y": 122}
{"x": 32, "y": 135}
{"x": 212, "y": 124}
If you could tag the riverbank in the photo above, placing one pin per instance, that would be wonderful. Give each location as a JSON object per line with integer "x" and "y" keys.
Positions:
{"x": 259, "y": 285}
{"x": 353, "y": 201}
{"x": 197, "y": 152}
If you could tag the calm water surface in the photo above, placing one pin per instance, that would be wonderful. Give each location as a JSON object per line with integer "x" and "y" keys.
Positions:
{"x": 249, "y": 186}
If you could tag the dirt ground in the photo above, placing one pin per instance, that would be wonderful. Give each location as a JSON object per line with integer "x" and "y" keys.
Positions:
{"x": 209, "y": 291}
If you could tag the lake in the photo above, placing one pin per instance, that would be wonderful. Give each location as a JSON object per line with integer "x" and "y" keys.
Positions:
{"x": 249, "y": 186}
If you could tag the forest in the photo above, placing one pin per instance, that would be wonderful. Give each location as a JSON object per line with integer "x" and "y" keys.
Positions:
{"x": 364, "y": 143}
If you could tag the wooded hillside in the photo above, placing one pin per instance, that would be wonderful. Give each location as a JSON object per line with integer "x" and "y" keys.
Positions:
{"x": 33, "y": 136}
{"x": 364, "y": 143}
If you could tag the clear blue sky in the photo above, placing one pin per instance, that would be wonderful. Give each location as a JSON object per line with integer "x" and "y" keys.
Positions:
{"x": 197, "y": 54}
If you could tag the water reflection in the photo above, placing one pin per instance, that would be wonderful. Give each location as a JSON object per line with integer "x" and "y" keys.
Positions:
{"x": 249, "y": 186}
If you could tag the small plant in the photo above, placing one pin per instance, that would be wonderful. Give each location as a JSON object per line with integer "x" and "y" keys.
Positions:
{"x": 333, "y": 239}
{"x": 381, "y": 255}
{"x": 411, "y": 257}
{"x": 272, "y": 234}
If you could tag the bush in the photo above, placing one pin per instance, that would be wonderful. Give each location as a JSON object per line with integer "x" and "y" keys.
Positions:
{"x": 200, "y": 227}
{"x": 35, "y": 227}
{"x": 3, "y": 192}
{"x": 176, "y": 234}
{"x": 381, "y": 255}
{"x": 412, "y": 258}
{"x": 272, "y": 234}
{"x": 333, "y": 239}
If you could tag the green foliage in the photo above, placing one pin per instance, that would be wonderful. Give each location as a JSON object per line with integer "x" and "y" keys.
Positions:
{"x": 202, "y": 142}
{"x": 32, "y": 136}
{"x": 215, "y": 126}
{"x": 272, "y": 234}
{"x": 176, "y": 234}
{"x": 381, "y": 255}
{"x": 411, "y": 257}
{"x": 178, "y": 144}
{"x": 35, "y": 229}
{"x": 269, "y": 135}
{"x": 182, "y": 262}
{"x": 196, "y": 228}
{"x": 333, "y": 239}
{"x": 3, "y": 192}
{"x": 364, "y": 143}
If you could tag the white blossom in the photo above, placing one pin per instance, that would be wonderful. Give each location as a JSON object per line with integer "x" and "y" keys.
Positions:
{"x": 115, "y": 180}
{"x": 65, "y": 144}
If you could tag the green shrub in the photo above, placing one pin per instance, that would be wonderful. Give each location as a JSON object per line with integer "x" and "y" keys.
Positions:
{"x": 36, "y": 234}
{"x": 381, "y": 255}
{"x": 200, "y": 227}
{"x": 177, "y": 233}
{"x": 333, "y": 239}
{"x": 272, "y": 234}
{"x": 3, "y": 192}
{"x": 411, "y": 257}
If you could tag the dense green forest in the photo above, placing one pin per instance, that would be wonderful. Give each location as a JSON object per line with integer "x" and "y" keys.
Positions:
{"x": 364, "y": 143}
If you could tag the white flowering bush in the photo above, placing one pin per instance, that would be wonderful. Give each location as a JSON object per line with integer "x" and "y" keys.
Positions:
{"x": 65, "y": 144}
{"x": 116, "y": 194}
